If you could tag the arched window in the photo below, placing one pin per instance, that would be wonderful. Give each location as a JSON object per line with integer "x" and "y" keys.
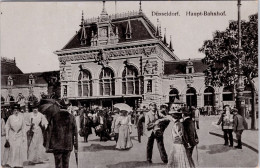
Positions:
{"x": 2, "y": 100}
{"x": 84, "y": 83}
{"x": 209, "y": 95}
{"x": 174, "y": 93}
{"x": 191, "y": 97}
{"x": 107, "y": 82}
{"x": 228, "y": 92}
{"x": 130, "y": 81}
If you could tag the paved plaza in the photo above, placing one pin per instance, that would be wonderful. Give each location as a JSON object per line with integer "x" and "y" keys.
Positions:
{"x": 211, "y": 152}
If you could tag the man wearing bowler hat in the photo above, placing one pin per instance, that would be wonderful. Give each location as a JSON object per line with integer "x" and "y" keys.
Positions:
{"x": 62, "y": 136}
{"x": 150, "y": 124}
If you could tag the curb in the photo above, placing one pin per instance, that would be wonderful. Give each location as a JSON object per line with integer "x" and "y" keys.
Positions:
{"x": 244, "y": 144}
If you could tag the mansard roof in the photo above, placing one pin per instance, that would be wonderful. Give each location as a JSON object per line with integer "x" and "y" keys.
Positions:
{"x": 8, "y": 66}
{"x": 179, "y": 67}
{"x": 142, "y": 29}
{"x": 23, "y": 79}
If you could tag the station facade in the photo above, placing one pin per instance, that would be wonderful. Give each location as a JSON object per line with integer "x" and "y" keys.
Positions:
{"x": 124, "y": 58}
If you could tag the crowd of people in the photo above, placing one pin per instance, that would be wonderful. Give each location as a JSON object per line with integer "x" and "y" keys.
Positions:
{"x": 34, "y": 134}
{"x": 22, "y": 136}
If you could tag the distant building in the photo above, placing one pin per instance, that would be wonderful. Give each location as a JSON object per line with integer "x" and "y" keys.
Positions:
{"x": 17, "y": 86}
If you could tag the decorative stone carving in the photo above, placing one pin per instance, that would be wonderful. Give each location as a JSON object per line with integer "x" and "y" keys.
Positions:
{"x": 147, "y": 51}
{"x": 102, "y": 58}
{"x": 150, "y": 67}
{"x": 189, "y": 79}
{"x": 63, "y": 74}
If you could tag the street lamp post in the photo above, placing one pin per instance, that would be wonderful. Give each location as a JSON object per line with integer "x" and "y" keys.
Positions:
{"x": 240, "y": 102}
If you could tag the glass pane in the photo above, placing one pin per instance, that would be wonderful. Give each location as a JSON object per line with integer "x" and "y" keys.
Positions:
{"x": 137, "y": 86}
{"x": 130, "y": 87}
{"x": 79, "y": 89}
{"x": 107, "y": 88}
{"x": 85, "y": 89}
{"x": 124, "y": 88}
{"x": 101, "y": 88}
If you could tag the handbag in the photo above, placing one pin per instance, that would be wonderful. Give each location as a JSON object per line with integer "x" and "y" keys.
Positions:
{"x": 7, "y": 144}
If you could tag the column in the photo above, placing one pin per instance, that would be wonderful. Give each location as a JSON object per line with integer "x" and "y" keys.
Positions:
{"x": 95, "y": 85}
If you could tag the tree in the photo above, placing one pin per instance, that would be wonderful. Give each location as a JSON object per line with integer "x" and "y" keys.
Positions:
{"x": 221, "y": 56}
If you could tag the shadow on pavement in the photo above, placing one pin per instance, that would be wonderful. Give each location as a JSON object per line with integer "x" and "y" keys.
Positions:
{"x": 215, "y": 148}
{"x": 97, "y": 147}
{"x": 134, "y": 164}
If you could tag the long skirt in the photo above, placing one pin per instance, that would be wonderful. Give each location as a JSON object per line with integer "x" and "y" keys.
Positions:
{"x": 36, "y": 151}
{"x": 4, "y": 151}
{"x": 124, "y": 140}
{"x": 17, "y": 152}
{"x": 178, "y": 157}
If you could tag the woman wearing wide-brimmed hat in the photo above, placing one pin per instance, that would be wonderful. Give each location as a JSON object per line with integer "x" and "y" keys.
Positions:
{"x": 15, "y": 135}
{"x": 123, "y": 122}
{"x": 178, "y": 156}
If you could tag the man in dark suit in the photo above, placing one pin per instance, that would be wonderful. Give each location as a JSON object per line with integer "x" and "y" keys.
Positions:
{"x": 62, "y": 136}
{"x": 239, "y": 126}
{"x": 150, "y": 124}
{"x": 190, "y": 134}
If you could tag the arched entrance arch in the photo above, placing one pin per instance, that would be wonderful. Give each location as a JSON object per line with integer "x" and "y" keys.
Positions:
{"x": 191, "y": 97}
{"x": 173, "y": 94}
{"x": 209, "y": 96}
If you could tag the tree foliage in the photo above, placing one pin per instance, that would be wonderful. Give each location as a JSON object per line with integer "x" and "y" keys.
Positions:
{"x": 222, "y": 54}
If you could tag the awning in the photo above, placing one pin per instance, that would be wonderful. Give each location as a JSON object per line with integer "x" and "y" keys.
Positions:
{"x": 104, "y": 97}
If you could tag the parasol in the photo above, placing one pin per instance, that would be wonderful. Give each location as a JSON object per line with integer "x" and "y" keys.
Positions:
{"x": 30, "y": 134}
{"x": 123, "y": 106}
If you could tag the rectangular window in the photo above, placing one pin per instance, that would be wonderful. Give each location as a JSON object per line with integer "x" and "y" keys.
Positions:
{"x": 137, "y": 86}
{"x": 149, "y": 86}
{"x": 190, "y": 70}
{"x": 101, "y": 88}
{"x": 124, "y": 87}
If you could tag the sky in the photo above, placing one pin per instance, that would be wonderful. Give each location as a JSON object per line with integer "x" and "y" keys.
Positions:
{"x": 32, "y": 31}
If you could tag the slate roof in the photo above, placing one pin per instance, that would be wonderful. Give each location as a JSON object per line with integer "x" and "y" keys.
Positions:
{"x": 179, "y": 67}
{"x": 139, "y": 31}
{"x": 23, "y": 79}
{"x": 9, "y": 68}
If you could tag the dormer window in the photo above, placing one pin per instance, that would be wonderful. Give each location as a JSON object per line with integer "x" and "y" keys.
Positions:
{"x": 128, "y": 32}
{"x": 189, "y": 67}
{"x": 31, "y": 79}
{"x": 10, "y": 81}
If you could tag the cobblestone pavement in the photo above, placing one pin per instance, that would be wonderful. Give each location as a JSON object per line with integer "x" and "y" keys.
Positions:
{"x": 211, "y": 152}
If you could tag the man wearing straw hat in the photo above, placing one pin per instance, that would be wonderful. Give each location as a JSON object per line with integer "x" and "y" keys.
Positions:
{"x": 150, "y": 124}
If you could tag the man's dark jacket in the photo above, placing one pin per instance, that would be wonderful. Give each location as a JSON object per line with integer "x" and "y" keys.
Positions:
{"x": 62, "y": 133}
{"x": 190, "y": 134}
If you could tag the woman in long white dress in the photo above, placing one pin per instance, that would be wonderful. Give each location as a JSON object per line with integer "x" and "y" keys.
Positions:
{"x": 125, "y": 129}
{"x": 15, "y": 134}
{"x": 36, "y": 151}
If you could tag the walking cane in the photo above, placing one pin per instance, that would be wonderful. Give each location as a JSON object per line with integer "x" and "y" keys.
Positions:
{"x": 76, "y": 156}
